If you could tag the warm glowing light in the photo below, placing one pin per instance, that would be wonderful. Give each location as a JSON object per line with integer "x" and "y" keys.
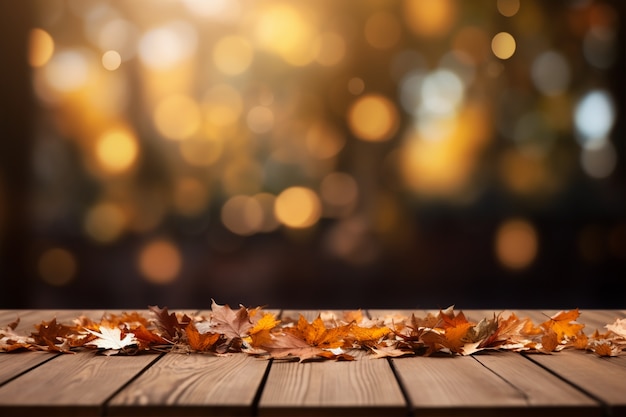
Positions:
{"x": 177, "y": 117}
{"x": 67, "y": 70}
{"x": 524, "y": 173}
{"x": 430, "y": 18}
{"x": 111, "y": 60}
{"x": 117, "y": 150}
{"x": 324, "y": 141}
{"x": 382, "y": 30}
{"x": 284, "y": 30}
{"x": 57, "y": 266}
{"x": 508, "y": 8}
{"x": 232, "y": 55}
{"x": 160, "y": 261}
{"x": 516, "y": 243}
{"x": 260, "y": 119}
{"x": 332, "y": 48}
{"x": 163, "y": 47}
{"x": 202, "y": 151}
{"x": 298, "y": 207}
{"x": 442, "y": 92}
{"x": 191, "y": 196}
{"x": 105, "y": 222}
{"x": 373, "y": 118}
{"x": 242, "y": 215}
{"x": 40, "y": 47}
{"x": 227, "y": 10}
{"x": 440, "y": 156}
{"x": 503, "y": 45}
{"x": 222, "y": 105}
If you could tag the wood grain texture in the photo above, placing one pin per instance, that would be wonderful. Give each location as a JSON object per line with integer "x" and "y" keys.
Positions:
{"x": 78, "y": 383}
{"x": 180, "y": 384}
{"x": 15, "y": 363}
{"x": 603, "y": 378}
{"x": 462, "y": 385}
{"x": 365, "y": 386}
{"x": 541, "y": 389}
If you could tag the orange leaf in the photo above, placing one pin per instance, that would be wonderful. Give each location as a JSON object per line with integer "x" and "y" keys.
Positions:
{"x": 201, "y": 342}
{"x": 564, "y": 324}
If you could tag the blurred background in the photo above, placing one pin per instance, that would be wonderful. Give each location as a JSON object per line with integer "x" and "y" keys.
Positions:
{"x": 313, "y": 154}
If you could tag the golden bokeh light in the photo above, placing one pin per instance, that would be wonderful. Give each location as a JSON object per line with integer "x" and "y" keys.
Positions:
{"x": 67, "y": 70}
{"x": 242, "y": 215}
{"x": 356, "y": 85}
{"x": 260, "y": 119}
{"x": 298, "y": 207}
{"x": 57, "y": 266}
{"x": 503, "y": 45}
{"x": 242, "y": 176}
{"x": 373, "y": 118}
{"x": 516, "y": 243}
{"x": 382, "y": 30}
{"x": 40, "y": 47}
{"x": 160, "y": 261}
{"x": 324, "y": 141}
{"x": 117, "y": 150}
{"x": 105, "y": 222}
{"x": 286, "y": 31}
{"x": 441, "y": 164}
{"x": 508, "y": 8}
{"x": 111, "y": 60}
{"x": 430, "y": 18}
{"x": 232, "y": 55}
{"x": 202, "y": 151}
{"x": 332, "y": 49}
{"x": 191, "y": 196}
{"x": 177, "y": 117}
{"x": 222, "y": 105}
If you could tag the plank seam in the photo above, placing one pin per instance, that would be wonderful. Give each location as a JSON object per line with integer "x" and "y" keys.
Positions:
{"x": 403, "y": 390}
{"x": 509, "y": 383}
{"x": 259, "y": 392}
{"x": 105, "y": 403}
{"x": 396, "y": 375}
{"x": 606, "y": 408}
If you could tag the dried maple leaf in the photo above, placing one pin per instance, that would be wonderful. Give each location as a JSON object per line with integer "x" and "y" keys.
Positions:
{"x": 456, "y": 328}
{"x": 564, "y": 324}
{"x": 111, "y": 339}
{"x": 52, "y": 336}
{"x": 232, "y": 324}
{"x": 201, "y": 342}
{"x": 308, "y": 340}
{"x": 618, "y": 327}
{"x": 168, "y": 323}
{"x": 605, "y": 349}
{"x": 10, "y": 341}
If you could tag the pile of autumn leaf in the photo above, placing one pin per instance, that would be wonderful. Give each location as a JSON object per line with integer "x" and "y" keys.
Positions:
{"x": 260, "y": 333}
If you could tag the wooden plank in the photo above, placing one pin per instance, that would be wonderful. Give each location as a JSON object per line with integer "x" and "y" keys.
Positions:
{"x": 196, "y": 384}
{"x": 71, "y": 384}
{"x": 362, "y": 387}
{"x": 544, "y": 392}
{"x": 15, "y": 363}
{"x": 603, "y": 378}
{"x": 459, "y": 386}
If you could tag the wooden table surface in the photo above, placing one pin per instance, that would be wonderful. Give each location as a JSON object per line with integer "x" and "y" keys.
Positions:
{"x": 571, "y": 383}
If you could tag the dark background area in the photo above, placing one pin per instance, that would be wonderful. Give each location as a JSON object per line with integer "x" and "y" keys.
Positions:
{"x": 442, "y": 254}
